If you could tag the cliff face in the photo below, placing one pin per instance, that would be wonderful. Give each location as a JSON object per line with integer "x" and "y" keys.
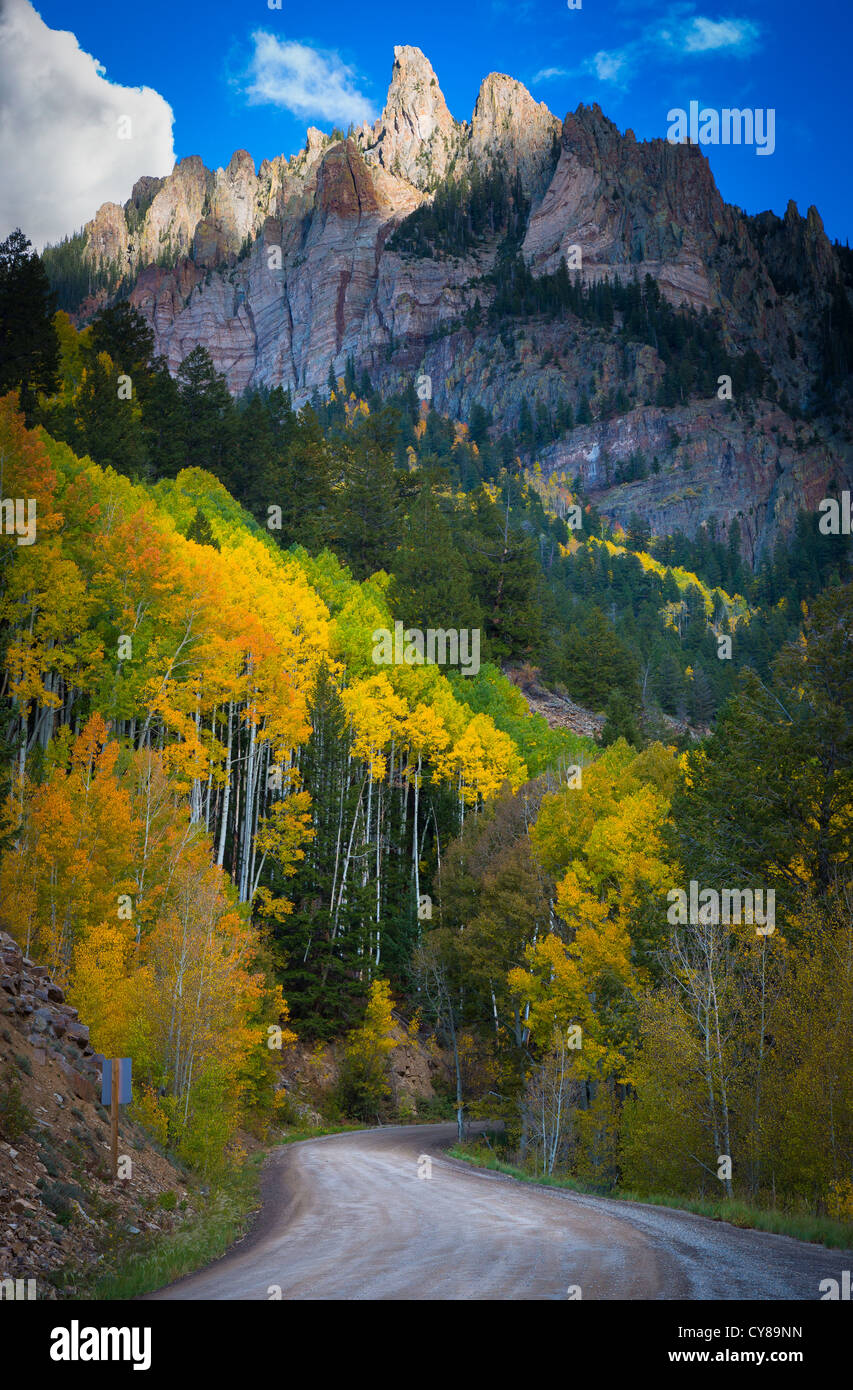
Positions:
{"x": 713, "y": 467}
{"x": 282, "y": 272}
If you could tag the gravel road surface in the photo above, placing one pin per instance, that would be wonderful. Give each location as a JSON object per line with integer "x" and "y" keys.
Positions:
{"x": 348, "y": 1217}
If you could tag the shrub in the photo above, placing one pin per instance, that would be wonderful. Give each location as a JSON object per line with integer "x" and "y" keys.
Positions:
{"x": 15, "y": 1116}
{"x": 57, "y": 1198}
{"x": 147, "y": 1111}
{"x": 363, "y": 1089}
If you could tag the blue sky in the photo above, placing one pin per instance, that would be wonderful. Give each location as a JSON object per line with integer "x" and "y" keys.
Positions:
{"x": 244, "y": 75}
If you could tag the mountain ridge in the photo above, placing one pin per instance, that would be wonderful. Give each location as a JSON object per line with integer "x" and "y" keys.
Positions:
{"x": 286, "y": 275}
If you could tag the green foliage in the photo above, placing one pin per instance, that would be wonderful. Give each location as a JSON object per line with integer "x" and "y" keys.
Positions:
{"x": 74, "y": 276}
{"x": 201, "y": 531}
{"x": 690, "y": 345}
{"x": 59, "y": 1197}
{"x": 363, "y": 1090}
{"x": 29, "y": 348}
{"x": 778, "y": 753}
{"x": 124, "y": 335}
{"x": 135, "y": 1266}
{"x": 620, "y": 721}
{"x": 465, "y": 212}
{"x": 200, "y": 1135}
{"x": 15, "y": 1116}
{"x": 595, "y": 662}
{"x": 489, "y": 692}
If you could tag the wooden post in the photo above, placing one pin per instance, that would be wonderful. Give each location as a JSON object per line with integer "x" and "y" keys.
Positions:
{"x": 114, "y": 1116}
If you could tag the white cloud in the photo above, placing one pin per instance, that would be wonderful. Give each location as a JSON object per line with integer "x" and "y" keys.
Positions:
{"x": 680, "y": 35}
{"x": 60, "y": 151}
{"x": 548, "y": 74}
{"x": 307, "y": 81}
{"x": 707, "y": 35}
{"x": 609, "y": 67}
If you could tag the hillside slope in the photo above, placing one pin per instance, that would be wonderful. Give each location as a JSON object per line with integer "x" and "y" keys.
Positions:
{"x": 58, "y": 1206}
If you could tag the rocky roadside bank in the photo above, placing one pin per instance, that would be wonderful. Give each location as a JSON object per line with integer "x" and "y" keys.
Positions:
{"x": 59, "y": 1210}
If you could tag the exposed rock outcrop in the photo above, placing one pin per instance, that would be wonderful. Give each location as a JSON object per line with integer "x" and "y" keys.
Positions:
{"x": 282, "y": 273}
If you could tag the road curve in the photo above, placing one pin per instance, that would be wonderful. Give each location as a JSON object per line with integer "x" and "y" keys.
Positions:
{"x": 347, "y": 1217}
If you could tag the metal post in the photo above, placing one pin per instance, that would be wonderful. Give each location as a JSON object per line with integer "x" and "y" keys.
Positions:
{"x": 114, "y": 1116}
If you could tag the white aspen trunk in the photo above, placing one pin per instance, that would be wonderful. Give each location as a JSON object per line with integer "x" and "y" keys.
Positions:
{"x": 415, "y": 856}
{"x": 195, "y": 798}
{"x": 347, "y": 860}
{"x": 263, "y": 773}
{"x": 724, "y": 1100}
{"x": 380, "y": 811}
{"x": 341, "y": 798}
{"x": 248, "y": 807}
{"x": 256, "y": 880}
{"x": 209, "y": 788}
{"x": 220, "y": 853}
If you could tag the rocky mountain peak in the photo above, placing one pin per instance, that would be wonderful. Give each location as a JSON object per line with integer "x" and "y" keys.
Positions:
{"x": 314, "y": 140}
{"x": 415, "y": 136}
{"x": 508, "y": 121}
{"x": 241, "y": 164}
{"x": 143, "y": 191}
{"x": 192, "y": 246}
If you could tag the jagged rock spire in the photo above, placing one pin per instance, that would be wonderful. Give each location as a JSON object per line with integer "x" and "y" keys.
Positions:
{"x": 415, "y": 136}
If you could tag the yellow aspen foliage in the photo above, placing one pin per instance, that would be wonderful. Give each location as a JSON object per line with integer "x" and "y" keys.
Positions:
{"x": 485, "y": 758}
{"x": 71, "y": 858}
{"x": 377, "y": 715}
{"x": 364, "y": 1082}
{"x": 280, "y": 837}
{"x": 424, "y": 735}
{"x": 560, "y": 983}
{"x": 113, "y": 991}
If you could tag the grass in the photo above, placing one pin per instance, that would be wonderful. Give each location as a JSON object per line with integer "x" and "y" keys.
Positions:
{"x": 144, "y": 1263}
{"x": 15, "y": 1116}
{"x": 819, "y": 1230}
{"x": 296, "y": 1136}
{"x": 140, "y": 1264}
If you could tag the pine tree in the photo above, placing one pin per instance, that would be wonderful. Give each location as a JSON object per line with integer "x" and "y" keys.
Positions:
{"x": 109, "y": 425}
{"x": 29, "y": 347}
{"x": 208, "y": 415}
{"x": 201, "y": 531}
{"x": 366, "y": 505}
{"x": 639, "y": 532}
{"x": 432, "y": 583}
{"x": 125, "y": 336}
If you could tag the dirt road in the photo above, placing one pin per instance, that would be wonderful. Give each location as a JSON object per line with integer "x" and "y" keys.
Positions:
{"x": 348, "y": 1217}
